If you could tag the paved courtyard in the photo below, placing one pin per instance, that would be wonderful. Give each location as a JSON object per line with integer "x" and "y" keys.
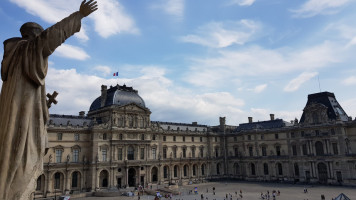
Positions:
{"x": 250, "y": 191}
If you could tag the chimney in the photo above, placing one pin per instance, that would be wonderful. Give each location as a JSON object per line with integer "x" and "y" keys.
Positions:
{"x": 249, "y": 119}
{"x": 104, "y": 90}
{"x": 81, "y": 113}
{"x": 272, "y": 116}
{"x": 222, "y": 123}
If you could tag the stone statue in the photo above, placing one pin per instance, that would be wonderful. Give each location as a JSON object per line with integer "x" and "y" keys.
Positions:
{"x": 23, "y": 106}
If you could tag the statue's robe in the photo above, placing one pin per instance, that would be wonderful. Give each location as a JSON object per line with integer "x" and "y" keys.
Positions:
{"x": 23, "y": 107}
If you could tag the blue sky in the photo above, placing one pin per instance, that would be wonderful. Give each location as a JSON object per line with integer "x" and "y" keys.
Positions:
{"x": 196, "y": 60}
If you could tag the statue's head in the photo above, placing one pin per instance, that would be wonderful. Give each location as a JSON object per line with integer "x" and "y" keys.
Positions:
{"x": 30, "y": 30}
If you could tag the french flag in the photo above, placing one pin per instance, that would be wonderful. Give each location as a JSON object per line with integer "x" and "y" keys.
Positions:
{"x": 116, "y": 74}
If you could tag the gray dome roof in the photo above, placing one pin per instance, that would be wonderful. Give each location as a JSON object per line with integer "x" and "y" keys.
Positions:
{"x": 118, "y": 95}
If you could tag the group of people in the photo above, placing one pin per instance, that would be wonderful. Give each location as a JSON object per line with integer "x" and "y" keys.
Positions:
{"x": 267, "y": 195}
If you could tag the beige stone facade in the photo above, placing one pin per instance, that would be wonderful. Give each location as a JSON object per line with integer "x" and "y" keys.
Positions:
{"x": 117, "y": 145}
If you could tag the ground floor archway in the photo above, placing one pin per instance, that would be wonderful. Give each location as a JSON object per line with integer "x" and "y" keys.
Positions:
{"x": 132, "y": 177}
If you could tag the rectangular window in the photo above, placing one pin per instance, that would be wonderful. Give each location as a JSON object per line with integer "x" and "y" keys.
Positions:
{"x": 183, "y": 138}
{"x": 335, "y": 149}
{"x": 75, "y": 155}
{"x": 76, "y": 137}
{"x": 317, "y": 132}
{"x": 154, "y": 153}
{"x": 193, "y": 152}
{"x": 174, "y": 152}
{"x": 153, "y": 137}
{"x": 302, "y": 133}
{"x": 276, "y": 136}
{"x": 278, "y": 150}
{"x": 305, "y": 149}
{"x": 142, "y": 137}
{"x": 164, "y": 138}
{"x": 332, "y": 131}
{"x": 250, "y": 151}
{"x": 264, "y": 151}
{"x": 201, "y": 152}
{"x": 235, "y": 139}
{"x": 236, "y": 151}
{"x": 216, "y": 139}
{"x": 294, "y": 150}
{"x": 201, "y": 139}
{"x": 216, "y": 152}
{"x": 249, "y": 137}
{"x": 119, "y": 157}
{"x": 104, "y": 154}
{"x": 192, "y": 139}
{"x": 164, "y": 153}
{"x": 142, "y": 153}
{"x": 184, "y": 153}
{"x": 262, "y": 137}
{"x": 174, "y": 138}
{"x": 292, "y": 135}
{"x": 59, "y": 136}
{"x": 58, "y": 155}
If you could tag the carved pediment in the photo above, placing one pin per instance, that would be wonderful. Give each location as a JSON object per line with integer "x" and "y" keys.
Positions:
{"x": 316, "y": 113}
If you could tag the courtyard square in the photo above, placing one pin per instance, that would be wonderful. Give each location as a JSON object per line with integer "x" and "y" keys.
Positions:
{"x": 250, "y": 191}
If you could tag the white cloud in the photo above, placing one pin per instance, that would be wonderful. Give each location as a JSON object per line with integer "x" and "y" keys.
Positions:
{"x": 168, "y": 101}
{"x": 104, "y": 70}
{"x": 73, "y": 52}
{"x": 226, "y": 66}
{"x": 316, "y": 7}
{"x": 350, "y": 81}
{"x": 294, "y": 84}
{"x": 259, "y": 88}
{"x": 224, "y": 34}
{"x": 109, "y": 19}
{"x": 174, "y": 8}
{"x": 242, "y": 2}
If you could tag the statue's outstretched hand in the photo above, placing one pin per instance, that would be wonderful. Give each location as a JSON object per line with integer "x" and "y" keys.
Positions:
{"x": 86, "y": 8}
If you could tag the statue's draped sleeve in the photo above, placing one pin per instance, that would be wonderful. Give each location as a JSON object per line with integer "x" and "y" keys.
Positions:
{"x": 45, "y": 44}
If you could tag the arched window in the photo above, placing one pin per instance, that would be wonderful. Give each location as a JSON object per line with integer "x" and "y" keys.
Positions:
{"x": 319, "y": 149}
{"x": 253, "y": 170}
{"x": 165, "y": 172}
{"x": 75, "y": 179}
{"x": 130, "y": 153}
{"x": 296, "y": 169}
{"x": 237, "y": 169}
{"x": 280, "y": 169}
{"x": 57, "y": 180}
{"x": 265, "y": 168}
{"x": 175, "y": 171}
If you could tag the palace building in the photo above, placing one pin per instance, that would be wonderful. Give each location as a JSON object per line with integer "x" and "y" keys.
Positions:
{"x": 116, "y": 145}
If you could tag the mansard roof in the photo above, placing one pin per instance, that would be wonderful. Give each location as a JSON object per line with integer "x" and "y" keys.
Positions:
{"x": 117, "y": 95}
{"x": 334, "y": 109}
{"x": 68, "y": 120}
{"x": 270, "y": 124}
